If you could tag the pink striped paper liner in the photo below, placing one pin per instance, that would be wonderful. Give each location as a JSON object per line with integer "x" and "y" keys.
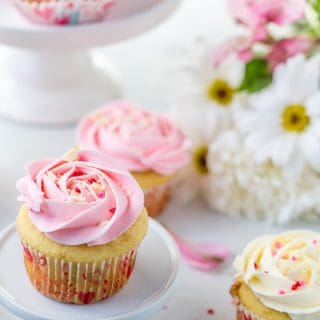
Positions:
{"x": 64, "y": 12}
{"x": 78, "y": 282}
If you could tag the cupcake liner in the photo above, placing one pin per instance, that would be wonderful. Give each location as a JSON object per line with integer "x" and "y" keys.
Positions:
{"x": 64, "y": 12}
{"x": 78, "y": 282}
{"x": 156, "y": 198}
{"x": 245, "y": 314}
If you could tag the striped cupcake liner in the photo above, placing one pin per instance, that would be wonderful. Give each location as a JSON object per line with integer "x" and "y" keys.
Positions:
{"x": 245, "y": 314}
{"x": 64, "y": 12}
{"x": 77, "y": 282}
{"x": 156, "y": 198}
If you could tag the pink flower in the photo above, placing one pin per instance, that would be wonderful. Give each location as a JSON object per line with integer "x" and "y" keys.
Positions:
{"x": 239, "y": 45}
{"x": 256, "y": 14}
{"x": 284, "y": 49}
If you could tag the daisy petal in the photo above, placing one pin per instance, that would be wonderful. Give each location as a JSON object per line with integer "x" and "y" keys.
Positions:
{"x": 311, "y": 150}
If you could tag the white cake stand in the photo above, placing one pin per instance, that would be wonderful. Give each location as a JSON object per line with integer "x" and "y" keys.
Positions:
{"x": 48, "y": 74}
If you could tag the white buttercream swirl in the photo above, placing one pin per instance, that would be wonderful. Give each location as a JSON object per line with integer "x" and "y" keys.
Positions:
{"x": 284, "y": 272}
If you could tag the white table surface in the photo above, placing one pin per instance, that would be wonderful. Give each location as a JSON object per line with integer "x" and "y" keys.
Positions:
{"x": 145, "y": 63}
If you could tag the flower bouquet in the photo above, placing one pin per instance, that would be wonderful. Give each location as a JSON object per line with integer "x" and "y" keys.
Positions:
{"x": 251, "y": 107}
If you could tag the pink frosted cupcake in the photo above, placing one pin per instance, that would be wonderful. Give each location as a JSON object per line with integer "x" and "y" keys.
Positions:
{"x": 145, "y": 142}
{"x": 64, "y": 12}
{"x": 80, "y": 225}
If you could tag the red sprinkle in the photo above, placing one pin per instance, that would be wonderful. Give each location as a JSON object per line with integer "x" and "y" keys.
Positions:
{"x": 210, "y": 311}
{"x": 297, "y": 285}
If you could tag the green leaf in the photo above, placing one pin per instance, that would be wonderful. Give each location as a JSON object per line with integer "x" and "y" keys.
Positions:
{"x": 316, "y": 5}
{"x": 257, "y": 76}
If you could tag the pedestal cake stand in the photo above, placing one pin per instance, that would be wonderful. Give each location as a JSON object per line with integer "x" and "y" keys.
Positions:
{"x": 48, "y": 73}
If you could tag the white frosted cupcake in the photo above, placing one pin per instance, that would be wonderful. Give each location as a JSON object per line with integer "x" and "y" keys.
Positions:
{"x": 278, "y": 278}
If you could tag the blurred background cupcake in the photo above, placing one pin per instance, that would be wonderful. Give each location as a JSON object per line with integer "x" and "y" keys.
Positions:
{"x": 278, "y": 278}
{"x": 80, "y": 226}
{"x": 145, "y": 142}
{"x": 64, "y": 12}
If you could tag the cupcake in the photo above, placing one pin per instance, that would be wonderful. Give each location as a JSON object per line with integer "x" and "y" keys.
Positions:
{"x": 80, "y": 226}
{"x": 64, "y": 12}
{"x": 145, "y": 142}
{"x": 278, "y": 278}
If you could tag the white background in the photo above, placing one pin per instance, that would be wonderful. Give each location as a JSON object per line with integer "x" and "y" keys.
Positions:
{"x": 146, "y": 63}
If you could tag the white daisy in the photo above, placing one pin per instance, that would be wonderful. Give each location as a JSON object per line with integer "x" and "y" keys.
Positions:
{"x": 283, "y": 124}
{"x": 201, "y": 126}
{"x": 202, "y": 85}
{"x": 240, "y": 186}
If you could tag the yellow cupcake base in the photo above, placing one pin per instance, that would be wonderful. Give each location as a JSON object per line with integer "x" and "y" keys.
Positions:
{"x": 249, "y": 307}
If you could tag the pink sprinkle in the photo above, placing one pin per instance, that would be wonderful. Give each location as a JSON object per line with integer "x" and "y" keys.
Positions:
{"x": 210, "y": 311}
{"x": 294, "y": 258}
{"x": 278, "y": 245}
{"x": 101, "y": 194}
{"x": 281, "y": 292}
{"x": 315, "y": 242}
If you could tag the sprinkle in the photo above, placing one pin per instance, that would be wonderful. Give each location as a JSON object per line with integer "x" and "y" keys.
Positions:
{"x": 297, "y": 285}
{"x": 294, "y": 258}
{"x": 112, "y": 210}
{"x": 210, "y": 311}
{"x": 315, "y": 242}
{"x": 281, "y": 292}
{"x": 165, "y": 307}
{"x": 255, "y": 265}
{"x": 278, "y": 245}
{"x": 101, "y": 194}
{"x": 266, "y": 272}
{"x": 71, "y": 155}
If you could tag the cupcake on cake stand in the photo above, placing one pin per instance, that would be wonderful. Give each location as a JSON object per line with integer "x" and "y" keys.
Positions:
{"x": 48, "y": 73}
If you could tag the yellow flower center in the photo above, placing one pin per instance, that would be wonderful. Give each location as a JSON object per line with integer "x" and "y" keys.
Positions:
{"x": 200, "y": 160}
{"x": 221, "y": 92}
{"x": 295, "y": 118}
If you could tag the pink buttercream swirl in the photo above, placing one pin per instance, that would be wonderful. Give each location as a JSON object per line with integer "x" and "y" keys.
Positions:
{"x": 139, "y": 139}
{"x": 82, "y": 199}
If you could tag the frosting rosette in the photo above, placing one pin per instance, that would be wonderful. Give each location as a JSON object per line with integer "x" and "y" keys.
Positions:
{"x": 82, "y": 198}
{"x": 284, "y": 272}
{"x": 140, "y": 140}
